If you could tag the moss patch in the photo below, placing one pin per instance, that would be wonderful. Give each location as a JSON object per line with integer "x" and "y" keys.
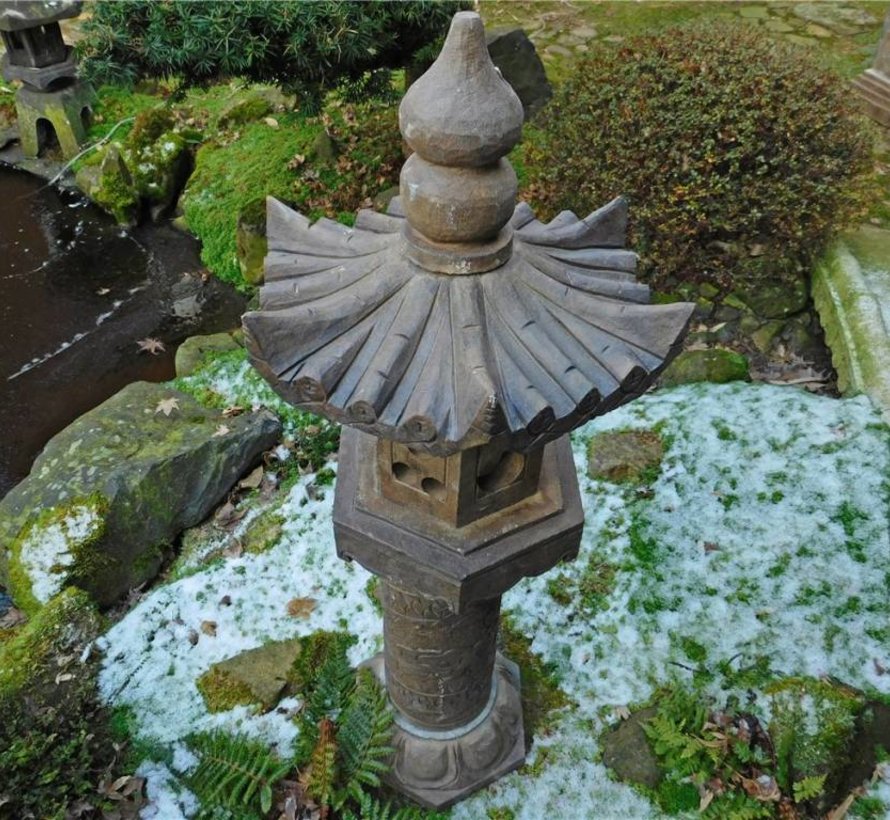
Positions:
{"x": 263, "y": 532}
{"x": 56, "y": 549}
{"x": 541, "y": 694}
{"x": 221, "y": 691}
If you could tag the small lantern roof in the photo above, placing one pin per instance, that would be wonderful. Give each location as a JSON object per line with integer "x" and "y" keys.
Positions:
{"x": 16, "y": 15}
{"x": 352, "y": 326}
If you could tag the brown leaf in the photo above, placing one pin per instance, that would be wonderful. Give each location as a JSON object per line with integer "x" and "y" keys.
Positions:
{"x": 209, "y": 628}
{"x": 167, "y": 406}
{"x": 13, "y": 617}
{"x": 301, "y": 607}
{"x": 194, "y": 637}
{"x": 711, "y": 546}
{"x": 234, "y": 550}
{"x": 252, "y": 481}
{"x": 226, "y": 600}
{"x": 150, "y": 345}
{"x": 232, "y": 410}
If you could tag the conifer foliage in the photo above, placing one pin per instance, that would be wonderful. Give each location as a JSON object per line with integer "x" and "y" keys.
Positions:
{"x": 304, "y": 47}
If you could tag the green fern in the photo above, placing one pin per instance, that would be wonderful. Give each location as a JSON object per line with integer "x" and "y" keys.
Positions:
{"x": 808, "y": 788}
{"x": 363, "y": 734}
{"x": 737, "y": 806}
{"x": 370, "y": 808}
{"x": 325, "y": 680}
{"x": 323, "y": 771}
{"x": 234, "y": 773}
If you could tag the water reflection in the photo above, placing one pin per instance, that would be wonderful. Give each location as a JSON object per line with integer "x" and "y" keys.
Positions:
{"x": 77, "y": 293}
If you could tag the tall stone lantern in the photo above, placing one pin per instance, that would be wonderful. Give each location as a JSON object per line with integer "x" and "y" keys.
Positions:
{"x": 458, "y": 340}
{"x": 51, "y": 96}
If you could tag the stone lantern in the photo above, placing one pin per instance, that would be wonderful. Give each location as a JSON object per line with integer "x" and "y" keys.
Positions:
{"x": 51, "y": 98}
{"x": 458, "y": 340}
{"x": 873, "y": 85}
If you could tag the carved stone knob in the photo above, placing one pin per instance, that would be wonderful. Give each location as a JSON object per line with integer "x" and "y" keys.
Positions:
{"x": 461, "y": 118}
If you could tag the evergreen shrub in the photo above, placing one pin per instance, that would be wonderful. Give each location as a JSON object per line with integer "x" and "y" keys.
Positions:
{"x": 740, "y": 155}
{"x": 305, "y": 47}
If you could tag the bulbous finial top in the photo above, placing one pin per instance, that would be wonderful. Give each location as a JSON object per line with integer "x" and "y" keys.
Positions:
{"x": 461, "y": 112}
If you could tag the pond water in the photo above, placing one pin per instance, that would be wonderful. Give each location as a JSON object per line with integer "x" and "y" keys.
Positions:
{"x": 78, "y": 293}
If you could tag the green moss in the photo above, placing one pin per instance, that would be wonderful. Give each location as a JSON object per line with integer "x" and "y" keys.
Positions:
{"x": 25, "y": 656}
{"x": 222, "y": 692}
{"x": 228, "y": 177}
{"x": 85, "y": 559}
{"x": 812, "y": 726}
{"x": 116, "y": 195}
{"x": 263, "y": 532}
{"x": 541, "y": 694}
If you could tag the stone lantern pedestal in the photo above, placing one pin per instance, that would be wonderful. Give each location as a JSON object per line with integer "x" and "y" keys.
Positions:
{"x": 873, "y": 85}
{"x": 458, "y": 707}
{"x": 51, "y": 101}
{"x": 458, "y": 340}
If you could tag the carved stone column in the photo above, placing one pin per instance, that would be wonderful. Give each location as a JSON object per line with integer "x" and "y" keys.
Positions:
{"x": 459, "y": 340}
{"x": 873, "y": 85}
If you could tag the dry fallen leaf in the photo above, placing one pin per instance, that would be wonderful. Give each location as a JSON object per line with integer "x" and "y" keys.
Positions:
{"x": 232, "y": 410}
{"x": 710, "y": 546}
{"x": 167, "y": 406}
{"x": 253, "y": 480}
{"x": 209, "y": 628}
{"x": 300, "y": 607}
{"x": 194, "y": 637}
{"x": 234, "y": 550}
{"x": 271, "y": 122}
{"x": 150, "y": 345}
{"x": 103, "y": 291}
{"x": 13, "y": 617}
{"x": 222, "y": 430}
{"x": 621, "y": 712}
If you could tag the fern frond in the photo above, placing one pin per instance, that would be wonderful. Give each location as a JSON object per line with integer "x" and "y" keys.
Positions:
{"x": 323, "y": 772}
{"x": 234, "y": 772}
{"x": 364, "y": 734}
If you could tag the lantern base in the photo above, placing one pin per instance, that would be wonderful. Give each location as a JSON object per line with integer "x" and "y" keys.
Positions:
{"x": 437, "y": 769}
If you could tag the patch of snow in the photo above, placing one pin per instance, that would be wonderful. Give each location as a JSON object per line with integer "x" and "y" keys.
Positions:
{"x": 168, "y": 800}
{"x": 46, "y": 551}
{"x": 766, "y": 534}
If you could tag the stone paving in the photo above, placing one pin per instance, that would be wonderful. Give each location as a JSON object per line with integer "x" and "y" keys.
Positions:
{"x": 565, "y": 31}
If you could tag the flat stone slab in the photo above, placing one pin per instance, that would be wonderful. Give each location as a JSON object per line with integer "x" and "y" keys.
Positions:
{"x": 851, "y": 290}
{"x": 109, "y": 494}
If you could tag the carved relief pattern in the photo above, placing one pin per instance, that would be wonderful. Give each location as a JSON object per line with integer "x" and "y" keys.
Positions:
{"x": 438, "y": 664}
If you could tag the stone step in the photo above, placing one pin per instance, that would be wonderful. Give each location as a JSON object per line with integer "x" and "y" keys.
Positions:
{"x": 873, "y": 89}
{"x": 851, "y": 290}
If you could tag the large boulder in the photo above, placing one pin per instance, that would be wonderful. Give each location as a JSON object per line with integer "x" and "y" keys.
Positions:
{"x": 109, "y": 494}
{"x": 515, "y": 56}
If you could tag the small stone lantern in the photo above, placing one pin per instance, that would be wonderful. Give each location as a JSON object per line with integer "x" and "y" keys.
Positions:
{"x": 873, "y": 85}
{"x": 458, "y": 340}
{"x": 51, "y": 98}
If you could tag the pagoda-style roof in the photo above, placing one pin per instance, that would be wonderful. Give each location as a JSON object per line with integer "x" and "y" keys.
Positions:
{"x": 351, "y": 329}
{"x": 16, "y": 15}
{"x": 446, "y": 323}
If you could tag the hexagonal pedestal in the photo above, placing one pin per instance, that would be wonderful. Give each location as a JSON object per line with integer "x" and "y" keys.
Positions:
{"x": 439, "y": 768}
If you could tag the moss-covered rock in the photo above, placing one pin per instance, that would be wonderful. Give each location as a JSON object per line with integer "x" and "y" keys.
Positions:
{"x": 194, "y": 350}
{"x": 624, "y": 455}
{"x": 626, "y": 751}
{"x": 813, "y": 724}
{"x": 777, "y": 299}
{"x": 110, "y": 493}
{"x": 714, "y": 365}
{"x": 258, "y": 676}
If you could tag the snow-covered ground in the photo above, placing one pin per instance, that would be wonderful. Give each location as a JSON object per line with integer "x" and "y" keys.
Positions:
{"x": 765, "y": 534}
